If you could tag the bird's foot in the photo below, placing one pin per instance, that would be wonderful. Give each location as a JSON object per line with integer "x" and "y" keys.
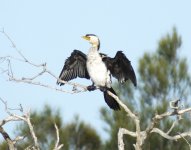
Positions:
{"x": 91, "y": 88}
{"x": 103, "y": 89}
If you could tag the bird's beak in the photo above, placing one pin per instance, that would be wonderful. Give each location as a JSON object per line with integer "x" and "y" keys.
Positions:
{"x": 86, "y": 38}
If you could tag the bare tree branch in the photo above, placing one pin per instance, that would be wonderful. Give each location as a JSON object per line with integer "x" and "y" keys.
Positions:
{"x": 141, "y": 136}
{"x": 10, "y": 143}
{"x": 18, "y": 51}
{"x": 27, "y": 120}
{"x": 44, "y": 70}
{"x": 121, "y": 132}
{"x": 18, "y": 138}
{"x": 9, "y": 119}
{"x": 134, "y": 118}
{"x": 175, "y": 137}
{"x": 57, "y": 146}
{"x": 172, "y": 127}
{"x": 14, "y": 117}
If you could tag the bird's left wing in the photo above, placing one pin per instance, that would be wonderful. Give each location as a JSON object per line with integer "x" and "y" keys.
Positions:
{"x": 120, "y": 67}
{"x": 75, "y": 66}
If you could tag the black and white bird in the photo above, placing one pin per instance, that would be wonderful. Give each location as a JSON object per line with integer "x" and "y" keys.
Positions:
{"x": 98, "y": 67}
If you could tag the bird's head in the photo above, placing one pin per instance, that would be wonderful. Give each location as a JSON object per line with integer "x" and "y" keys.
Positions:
{"x": 93, "y": 39}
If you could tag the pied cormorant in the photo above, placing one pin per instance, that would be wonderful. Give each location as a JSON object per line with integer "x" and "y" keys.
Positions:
{"x": 98, "y": 67}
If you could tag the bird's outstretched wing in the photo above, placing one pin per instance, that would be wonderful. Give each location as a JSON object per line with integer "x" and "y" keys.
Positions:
{"x": 75, "y": 66}
{"x": 120, "y": 67}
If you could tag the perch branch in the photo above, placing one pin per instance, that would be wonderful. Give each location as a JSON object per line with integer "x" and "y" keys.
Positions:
{"x": 44, "y": 70}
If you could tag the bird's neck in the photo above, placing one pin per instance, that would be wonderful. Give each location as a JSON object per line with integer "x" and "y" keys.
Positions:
{"x": 95, "y": 46}
{"x": 93, "y": 49}
{"x": 93, "y": 53}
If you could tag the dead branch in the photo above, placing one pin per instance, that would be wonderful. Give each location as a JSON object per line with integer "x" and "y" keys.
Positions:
{"x": 141, "y": 136}
{"x": 175, "y": 137}
{"x": 44, "y": 70}
{"x": 134, "y": 118}
{"x": 121, "y": 132}
{"x": 7, "y": 138}
{"x": 57, "y": 146}
{"x": 14, "y": 117}
{"x": 27, "y": 120}
{"x": 172, "y": 127}
{"x": 43, "y": 85}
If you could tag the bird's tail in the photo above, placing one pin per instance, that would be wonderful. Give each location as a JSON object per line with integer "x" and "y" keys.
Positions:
{"x": 111, "y": 102}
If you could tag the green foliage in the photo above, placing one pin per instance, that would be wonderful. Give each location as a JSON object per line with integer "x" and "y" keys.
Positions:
{"x": 81, "y": 136}
{"x": 163, "y": 76}
{"x": 4, "y": 146}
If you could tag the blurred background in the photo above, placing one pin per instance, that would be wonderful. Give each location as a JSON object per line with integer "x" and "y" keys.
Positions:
{"x": 154, "y": 35}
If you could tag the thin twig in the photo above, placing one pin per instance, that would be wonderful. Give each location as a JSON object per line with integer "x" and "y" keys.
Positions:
{"x": 18, "y": 51}
{"x": 185, "y": 140}
{"x": 172, "y": 127}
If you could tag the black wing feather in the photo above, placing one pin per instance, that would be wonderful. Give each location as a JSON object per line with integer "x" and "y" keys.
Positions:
{"x": 74, "y": 66}
{"x": 120, "y": 68}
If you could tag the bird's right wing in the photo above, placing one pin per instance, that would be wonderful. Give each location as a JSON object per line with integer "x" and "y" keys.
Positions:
{"x": 120, "y": 67}
{"x": 75, "y": 66}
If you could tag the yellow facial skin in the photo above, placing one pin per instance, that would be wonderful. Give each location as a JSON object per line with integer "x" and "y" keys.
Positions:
{"x": 86, "y": 38}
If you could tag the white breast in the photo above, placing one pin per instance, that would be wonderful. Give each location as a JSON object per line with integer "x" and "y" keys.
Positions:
{"x": 97, "y": 69}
